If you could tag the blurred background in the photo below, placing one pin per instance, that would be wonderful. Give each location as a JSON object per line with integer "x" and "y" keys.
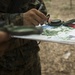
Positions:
{"x": 56, "y": 58}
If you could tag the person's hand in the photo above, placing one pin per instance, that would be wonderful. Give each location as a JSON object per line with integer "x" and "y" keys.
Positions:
{"x": 34, "y": 17}
{"x": 3, "y": 36}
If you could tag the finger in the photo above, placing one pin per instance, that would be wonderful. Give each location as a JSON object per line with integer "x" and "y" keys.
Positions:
{"x": 37, "y": 18}
{"x": 26, "y": 20}
{"x": 31, "y": 21}
{"x": 40, "y": 14}
{"x": 49, "y": 20}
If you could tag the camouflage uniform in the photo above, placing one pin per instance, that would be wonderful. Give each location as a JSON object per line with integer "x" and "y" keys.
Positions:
{"x": 21, "y": 56}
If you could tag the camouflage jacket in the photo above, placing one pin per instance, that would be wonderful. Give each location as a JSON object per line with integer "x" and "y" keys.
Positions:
{"x": 14, "y": 15}
{"x": 15, "y": 6}
{"x": 19, "y": 52}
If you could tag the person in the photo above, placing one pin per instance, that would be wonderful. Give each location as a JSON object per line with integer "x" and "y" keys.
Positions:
{"x": 20, "y": 56}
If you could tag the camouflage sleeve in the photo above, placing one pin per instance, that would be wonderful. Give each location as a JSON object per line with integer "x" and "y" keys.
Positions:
{"x": 36, "y": 4}
{"x": 16, "y": 18}
{"x": 8, "y": 19}
{"x": 4, "y": 5}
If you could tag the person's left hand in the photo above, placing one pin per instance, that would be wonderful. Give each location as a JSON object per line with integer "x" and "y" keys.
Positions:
{"x": 4, "y": 36}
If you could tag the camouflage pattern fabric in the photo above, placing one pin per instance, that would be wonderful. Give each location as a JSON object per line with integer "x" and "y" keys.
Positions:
{"x": 23, "y": 60}
{"x": 15, "y": 6}
{"x": 21, "y": 56}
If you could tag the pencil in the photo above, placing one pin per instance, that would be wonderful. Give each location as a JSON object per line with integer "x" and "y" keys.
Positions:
{"x": 40, "y": 7}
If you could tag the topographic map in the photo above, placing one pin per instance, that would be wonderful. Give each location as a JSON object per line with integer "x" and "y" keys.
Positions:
{"x": 59, "y": 34}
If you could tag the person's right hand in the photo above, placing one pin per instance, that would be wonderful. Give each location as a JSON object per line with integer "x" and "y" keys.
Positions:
{"x": 34, "y": 17}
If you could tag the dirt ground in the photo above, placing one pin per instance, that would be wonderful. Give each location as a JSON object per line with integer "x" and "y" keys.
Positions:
{"x": 56, "y": 58}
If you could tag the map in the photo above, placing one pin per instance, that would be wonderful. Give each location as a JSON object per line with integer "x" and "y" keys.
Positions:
{"x": 59, "y": 34}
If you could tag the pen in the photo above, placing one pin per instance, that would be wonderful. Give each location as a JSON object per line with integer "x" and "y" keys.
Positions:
{"x": 48, "y": 16}
{"x": 40, "y": 7}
